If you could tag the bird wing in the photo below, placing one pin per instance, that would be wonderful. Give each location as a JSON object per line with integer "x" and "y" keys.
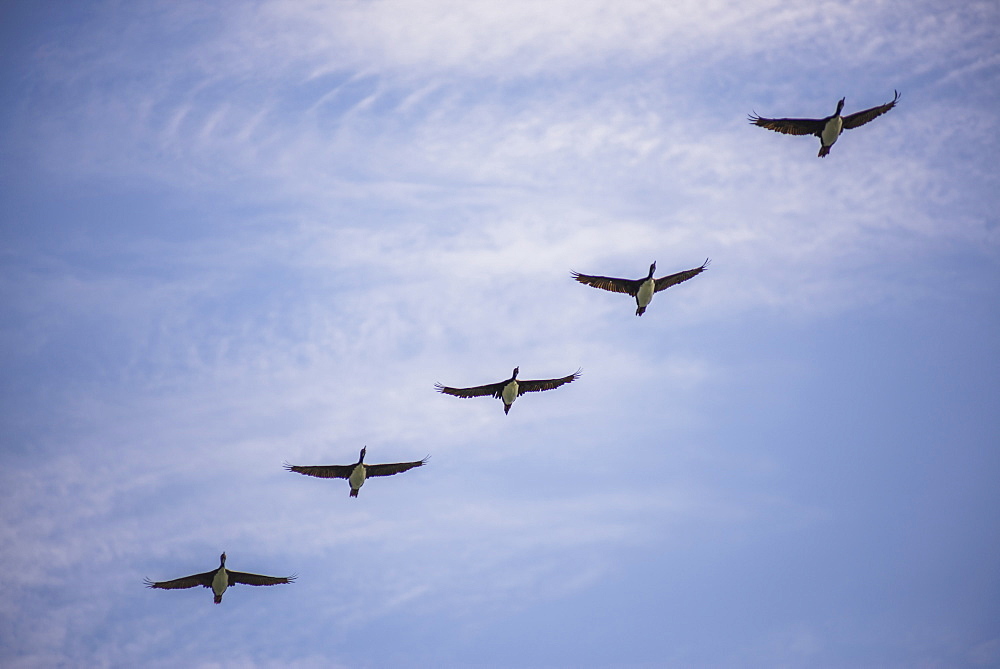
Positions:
{"x": 185, "y": 581}
{"x": 666, "y": 281}
{"x": 790, "y": 126}
{"x": 494, "y": 389}
{"x": 323, "y": 471}
{"x": 257, "y": 579}
{"x": 629, "y": 286}
{"x": 393, "y": 468}
{"x": 545, "y": 384}
{"x": 862, "y": 117}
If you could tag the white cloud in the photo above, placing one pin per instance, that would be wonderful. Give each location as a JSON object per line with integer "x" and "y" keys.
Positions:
{"x": 397, "y": 197}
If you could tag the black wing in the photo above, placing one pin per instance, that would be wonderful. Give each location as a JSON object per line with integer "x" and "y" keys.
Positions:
{"x": 665, "y": 282}
{"x": 257, "y": 579}
{"x": 862, "y": 117}
{"x": 394, "y": 468}
{"x": 493, "y": 389}
{"x": 629, "y": 286}
{"x": 323, "y": 471}
{"x": 790, "y": 126}
{"x": 546, "y": 384}
{"x": 185, "y": 582}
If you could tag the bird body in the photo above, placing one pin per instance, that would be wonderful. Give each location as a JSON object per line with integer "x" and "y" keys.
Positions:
{"x": 509, "y": 394}
{"x": 827, "y": 129}
{"x": 831, "y": 131}
{"x": 219, "y": 580}
{"x": 357, "y": 473}
{"x": 641, "y": 289}
{"x": 357, "y": 478}
{"x": 508, "y": 390}
{"x": 645, "y": 293}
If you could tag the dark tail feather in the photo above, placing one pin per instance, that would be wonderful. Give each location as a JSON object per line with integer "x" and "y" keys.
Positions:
{"x": 354, "y": 492}
{"x": 640, "y": 311}
{"x": 506, "y": 409}
{"x": 218, "y": 599}
{"x": 823, "y": 150}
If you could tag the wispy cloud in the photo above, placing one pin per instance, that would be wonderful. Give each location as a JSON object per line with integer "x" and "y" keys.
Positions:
{"x": 308, "y": 214}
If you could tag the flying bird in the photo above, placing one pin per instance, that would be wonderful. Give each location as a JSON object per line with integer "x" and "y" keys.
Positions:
{"x": 356, "y": 473}
{"x": 641, "y": 289}
{"x": 827, "y": 129}
{"x": 509, "y": 390}
{"x": 219, "y": 579}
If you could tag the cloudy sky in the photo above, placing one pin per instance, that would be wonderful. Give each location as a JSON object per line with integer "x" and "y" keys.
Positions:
{"x": 236, "y": 234}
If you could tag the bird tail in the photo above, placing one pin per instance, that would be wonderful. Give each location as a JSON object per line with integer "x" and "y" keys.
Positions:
{"x": 354, "y": 492}
{"x": 218, "y": 599}
{"x": 823, "y": 150}
{"x": 640, "y": 311}
{"x": 506, "y": 409}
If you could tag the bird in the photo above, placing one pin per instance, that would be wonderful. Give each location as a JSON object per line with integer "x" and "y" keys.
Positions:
{"x": 356, "y": 473}
{"x": 641, "y": 289}
{"x": 219, "y": 579}
{"x": 827, "y": 129}
{"x": 509, "y": 390}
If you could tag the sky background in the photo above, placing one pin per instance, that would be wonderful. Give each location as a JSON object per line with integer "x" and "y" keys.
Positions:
{"x": 235, "y": 234}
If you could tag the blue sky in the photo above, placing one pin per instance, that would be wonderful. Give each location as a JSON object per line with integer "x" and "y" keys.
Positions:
{"x": 247, "y": 233}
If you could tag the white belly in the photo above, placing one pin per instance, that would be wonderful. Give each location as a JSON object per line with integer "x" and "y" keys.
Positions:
{"x": 220, "y": 582}
{"x": 358, "y": 477}
{"x": 645, "y": 295}
{"x": 510, "y": 392}
{"x": 832, "y": 131}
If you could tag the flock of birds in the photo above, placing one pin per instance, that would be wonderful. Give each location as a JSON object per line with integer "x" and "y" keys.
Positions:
{"x": 827, "y": 129}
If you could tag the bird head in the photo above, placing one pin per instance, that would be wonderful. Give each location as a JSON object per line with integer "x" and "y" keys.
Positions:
{"x": 363, "y": 449}
{"x": 652, "y": 268}
{"x": 516, "y": 370}
{"x": 840, "y": 105}
{"x": 222, "y": 559}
